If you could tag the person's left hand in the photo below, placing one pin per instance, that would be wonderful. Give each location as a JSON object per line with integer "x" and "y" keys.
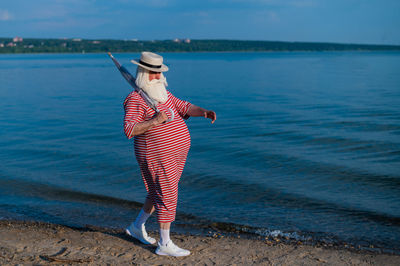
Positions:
{"x": 210, "y": 114}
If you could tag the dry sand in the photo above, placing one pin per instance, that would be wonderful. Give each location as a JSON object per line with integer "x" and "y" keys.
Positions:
{"x": 31, "y": 243}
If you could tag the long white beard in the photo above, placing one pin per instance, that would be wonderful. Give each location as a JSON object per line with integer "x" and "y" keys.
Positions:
{"x": 156, "y": 89}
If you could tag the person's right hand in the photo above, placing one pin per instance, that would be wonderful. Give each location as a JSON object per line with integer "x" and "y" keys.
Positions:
{"x": 161, "y": 117}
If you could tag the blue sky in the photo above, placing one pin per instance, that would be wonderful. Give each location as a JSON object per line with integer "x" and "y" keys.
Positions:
{"x": 344, "y": 21}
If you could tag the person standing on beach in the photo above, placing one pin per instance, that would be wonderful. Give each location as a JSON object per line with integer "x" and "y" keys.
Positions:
{"x": 161, "y": 143}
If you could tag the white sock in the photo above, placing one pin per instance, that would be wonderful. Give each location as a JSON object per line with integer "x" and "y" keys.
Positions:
{"x": 141, "y": 219}
{"x": 164, "y": 236}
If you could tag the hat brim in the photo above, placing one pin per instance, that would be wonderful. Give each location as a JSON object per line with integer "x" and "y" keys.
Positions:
{"x": 163, "y": 67}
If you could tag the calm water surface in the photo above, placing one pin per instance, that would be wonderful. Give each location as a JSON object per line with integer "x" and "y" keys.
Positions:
{"x": 305, "y": 143}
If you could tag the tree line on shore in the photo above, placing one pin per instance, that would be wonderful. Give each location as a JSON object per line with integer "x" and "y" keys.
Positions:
{"x": 19, "y": 45}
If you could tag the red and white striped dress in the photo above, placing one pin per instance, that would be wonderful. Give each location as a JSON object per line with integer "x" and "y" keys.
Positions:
{"x": 161, "y": 151}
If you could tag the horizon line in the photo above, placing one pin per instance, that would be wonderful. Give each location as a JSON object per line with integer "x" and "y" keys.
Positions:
{"x": 222, "y": 39}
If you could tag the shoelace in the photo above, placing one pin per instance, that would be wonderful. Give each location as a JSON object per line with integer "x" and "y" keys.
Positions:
{"x": 175, "y": 247}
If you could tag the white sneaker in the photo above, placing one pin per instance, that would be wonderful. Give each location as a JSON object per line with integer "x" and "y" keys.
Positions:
{"x": 170, "y": 249}
{"x": 140, "y": 234}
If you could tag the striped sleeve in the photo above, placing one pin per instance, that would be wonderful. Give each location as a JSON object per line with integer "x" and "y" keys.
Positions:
{"x": 135, "y": 112}
{"x": 181, "y": 106}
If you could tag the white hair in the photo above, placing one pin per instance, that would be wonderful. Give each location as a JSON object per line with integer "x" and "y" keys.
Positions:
{"x": 142, "y": 78}
{"x": 156, "y": 88}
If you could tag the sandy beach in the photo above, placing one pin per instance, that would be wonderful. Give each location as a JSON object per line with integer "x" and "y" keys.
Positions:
{"x": 33, "y": 243}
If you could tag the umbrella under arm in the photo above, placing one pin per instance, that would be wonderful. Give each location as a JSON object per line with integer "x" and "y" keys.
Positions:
{"x": 131, "y": 80}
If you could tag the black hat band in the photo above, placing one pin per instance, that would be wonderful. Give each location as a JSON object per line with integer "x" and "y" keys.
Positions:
{"x": 149, "y": 65}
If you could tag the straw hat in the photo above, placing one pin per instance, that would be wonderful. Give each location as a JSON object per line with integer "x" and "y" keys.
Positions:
{"x": 151, "y": 61}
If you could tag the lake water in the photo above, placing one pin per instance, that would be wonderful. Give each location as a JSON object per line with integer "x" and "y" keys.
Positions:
{"x": 306, "y": 144}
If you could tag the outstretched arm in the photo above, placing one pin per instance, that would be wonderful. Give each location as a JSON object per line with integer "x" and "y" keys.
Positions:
{"x": 198, "y": 111}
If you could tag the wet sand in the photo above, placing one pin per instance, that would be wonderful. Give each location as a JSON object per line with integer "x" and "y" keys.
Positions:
{"x": 33, "y": 243}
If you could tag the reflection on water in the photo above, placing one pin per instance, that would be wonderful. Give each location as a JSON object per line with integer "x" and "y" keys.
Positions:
{"x": 304, "y": 142}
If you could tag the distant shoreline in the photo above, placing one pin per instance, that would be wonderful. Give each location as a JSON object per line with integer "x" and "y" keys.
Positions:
{"x": 75, "y": 46}
{"x": 199, "y": 52}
